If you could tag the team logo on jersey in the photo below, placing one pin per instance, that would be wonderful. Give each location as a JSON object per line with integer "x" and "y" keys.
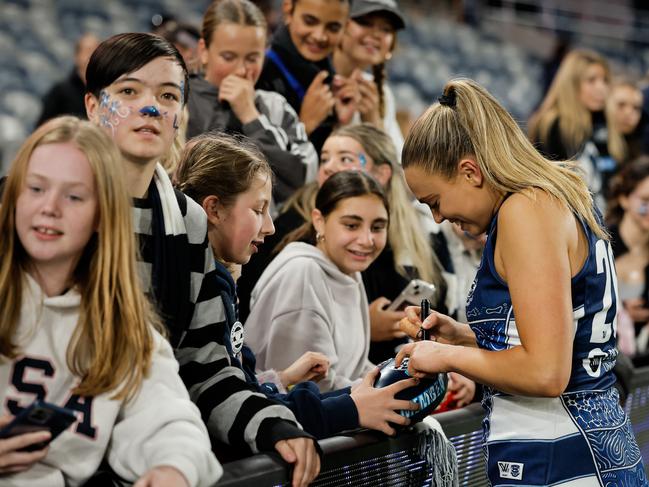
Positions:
{"x": 469, "y": 297}
{"x": 593, "y": 363}
{"x": 236, "y": 337}
{"x": 511, "y": 470}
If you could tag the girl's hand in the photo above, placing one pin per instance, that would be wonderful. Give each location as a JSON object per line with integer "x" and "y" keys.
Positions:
{"x": 11, "y": 459}
{"x": 317, "y": 103}
{"x": 302, "y": 453}
{"x": 347, "y": 96}
{"x": 463, "y": 389}
{"x": 162, "y": 476}
{"x": 442, "y": 327}
{"x": 368, "y": 104}
{"x": 240, "y": 94}
{"x": 376, "y": 407}
{"x": 310, "y": 366}
{"x": 425, "y": 358}
{"x": 384, "y": 324}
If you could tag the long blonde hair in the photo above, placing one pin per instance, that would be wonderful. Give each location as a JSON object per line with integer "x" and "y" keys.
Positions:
{"x": 562, "y": 104}
{"x": 408, "y": 242}
{"x": 472, "y": 122}
{"x": 112, "y": 344}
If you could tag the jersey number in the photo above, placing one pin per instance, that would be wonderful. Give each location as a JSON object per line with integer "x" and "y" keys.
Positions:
{"x": 601, "y": 330}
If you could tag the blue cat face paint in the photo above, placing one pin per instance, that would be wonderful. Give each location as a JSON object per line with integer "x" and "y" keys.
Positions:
{"x": 150, "y": 111}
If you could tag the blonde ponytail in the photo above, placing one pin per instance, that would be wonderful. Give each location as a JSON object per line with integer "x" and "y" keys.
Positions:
{"x": 474, "y": 123}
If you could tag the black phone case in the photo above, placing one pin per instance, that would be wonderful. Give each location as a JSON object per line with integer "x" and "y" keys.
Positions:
{"x": 39, "y": 416}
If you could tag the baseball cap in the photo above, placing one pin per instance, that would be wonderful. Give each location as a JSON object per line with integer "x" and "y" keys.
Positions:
{"x": 364, "y": 7}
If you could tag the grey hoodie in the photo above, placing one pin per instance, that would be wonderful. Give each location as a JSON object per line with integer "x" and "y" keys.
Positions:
{"x": 304, "y": 302}
{"x": 278, "y": 133}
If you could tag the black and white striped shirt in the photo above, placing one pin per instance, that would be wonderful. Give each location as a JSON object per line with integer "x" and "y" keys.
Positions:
{"x": 233, "y": 413}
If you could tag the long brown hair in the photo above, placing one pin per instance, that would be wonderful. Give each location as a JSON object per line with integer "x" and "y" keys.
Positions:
{"x": 220, "y": 165}
{"x": 339, "y": 187}
{"x": 112, "y": 344}
{"x": 623, "y": 184}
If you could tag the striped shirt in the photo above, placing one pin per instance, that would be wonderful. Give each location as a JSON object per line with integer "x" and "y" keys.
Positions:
{"x": 234, "y": 414}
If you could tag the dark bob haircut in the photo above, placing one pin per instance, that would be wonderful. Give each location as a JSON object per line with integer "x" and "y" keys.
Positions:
{"x": 125, "y": 53}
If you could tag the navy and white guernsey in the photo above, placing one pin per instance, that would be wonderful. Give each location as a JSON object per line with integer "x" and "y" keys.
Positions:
{"x": 583, "y": 437}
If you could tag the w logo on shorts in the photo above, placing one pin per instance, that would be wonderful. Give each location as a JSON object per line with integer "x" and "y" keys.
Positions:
{"x": 510, "y": 470}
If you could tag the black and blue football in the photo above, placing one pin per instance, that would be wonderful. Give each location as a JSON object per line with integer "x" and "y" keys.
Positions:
{"x": 428, "y": 393}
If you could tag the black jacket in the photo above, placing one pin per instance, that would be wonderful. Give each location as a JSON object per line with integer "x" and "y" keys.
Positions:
{"x": 65, "y": 98}
{"x": 303, "y": 70}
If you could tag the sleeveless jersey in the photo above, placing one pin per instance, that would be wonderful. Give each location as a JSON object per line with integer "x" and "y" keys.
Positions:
{"x": 583, "y": 437}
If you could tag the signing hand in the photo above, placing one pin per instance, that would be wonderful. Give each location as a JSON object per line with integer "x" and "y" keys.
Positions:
{"x": 302, "y": 453}
{"x": 426, "y": 357}
{"x": 442, "y": 327}
{"x": 310, "y": 366}
{"x": 162, "y": 476}
{"x": 240, "y": 94}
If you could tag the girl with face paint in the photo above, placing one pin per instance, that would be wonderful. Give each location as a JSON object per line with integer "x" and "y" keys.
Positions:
{"x": 408, "y": 253}
{"x": 137, "y": 85}
{"x": 628, "y": 223}
{"x": 139, "y": 102}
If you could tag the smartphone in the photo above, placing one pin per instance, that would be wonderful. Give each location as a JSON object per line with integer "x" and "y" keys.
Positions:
{"x": 412, "y": 294}
{"x": 39, "y": 416}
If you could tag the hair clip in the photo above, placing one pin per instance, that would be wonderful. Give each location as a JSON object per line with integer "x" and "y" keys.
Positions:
{"x": 448, "y": 100}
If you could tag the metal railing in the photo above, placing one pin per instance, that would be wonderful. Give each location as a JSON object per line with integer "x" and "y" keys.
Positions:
{"x": 370, "y": 458}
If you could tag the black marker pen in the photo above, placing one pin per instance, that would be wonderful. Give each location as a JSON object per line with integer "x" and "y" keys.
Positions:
{"x": 424, "y": 312}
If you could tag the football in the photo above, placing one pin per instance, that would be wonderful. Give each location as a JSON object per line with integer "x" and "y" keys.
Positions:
{"x": 428, "y": 393}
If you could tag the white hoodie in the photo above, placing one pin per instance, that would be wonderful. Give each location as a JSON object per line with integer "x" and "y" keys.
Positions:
{"x": 303, "y": 302}
{"x": 158, "y": 426}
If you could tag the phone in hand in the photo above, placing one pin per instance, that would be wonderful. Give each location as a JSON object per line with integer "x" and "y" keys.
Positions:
{"x": 39, "y": 416}
{"x": 412, "y": 294}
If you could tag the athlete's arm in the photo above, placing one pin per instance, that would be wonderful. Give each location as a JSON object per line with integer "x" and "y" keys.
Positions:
{"x": 535, "y": 254}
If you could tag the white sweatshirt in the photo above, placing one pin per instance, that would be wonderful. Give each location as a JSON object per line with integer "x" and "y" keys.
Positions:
{"x": 158, "y": 426}
{"x": 303, "y": 302}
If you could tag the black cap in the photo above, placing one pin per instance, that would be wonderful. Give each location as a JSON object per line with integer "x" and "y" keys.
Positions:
{"x": 390, "y": 7}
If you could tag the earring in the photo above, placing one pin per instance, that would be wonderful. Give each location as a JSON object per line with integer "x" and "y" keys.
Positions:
{"x": 319, "y": 238}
